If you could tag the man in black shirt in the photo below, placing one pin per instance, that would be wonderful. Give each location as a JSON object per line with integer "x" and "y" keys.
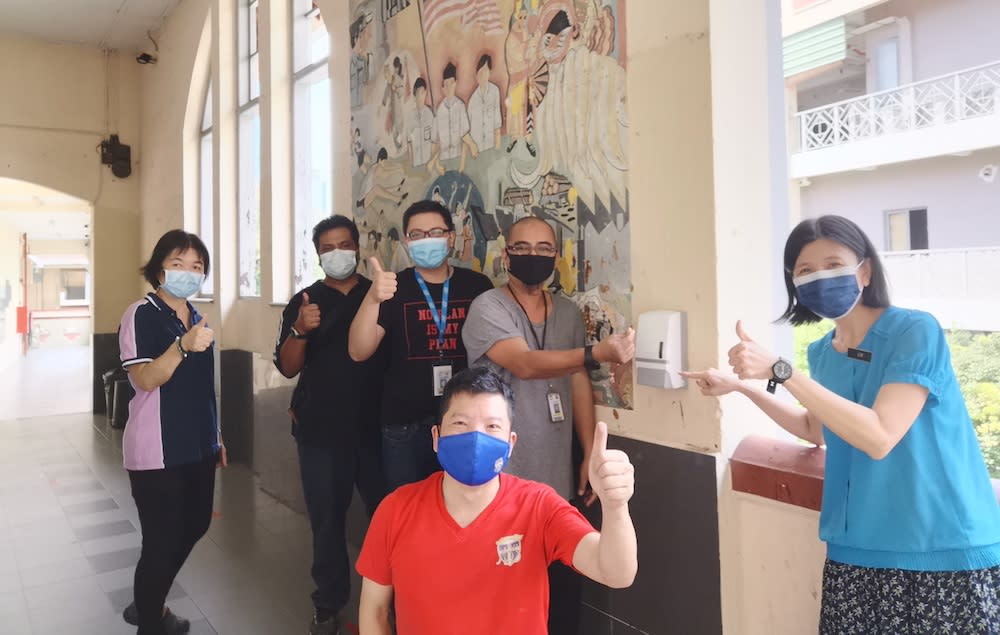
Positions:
{"x": 420, "y": 314}
{"x": 334, "y": 410}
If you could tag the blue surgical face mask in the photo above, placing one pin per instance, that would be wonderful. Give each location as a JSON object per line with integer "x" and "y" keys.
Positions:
{"x": 830, "y": 294}
{"x": 182, "y": 284}
{"x": 428, "y": 253}
{"x": 472, "y": 458}
{"x": 339, "y": 263}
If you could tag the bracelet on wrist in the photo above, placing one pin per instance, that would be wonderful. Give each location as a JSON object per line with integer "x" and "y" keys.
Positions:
{"x": 180, "y": 347}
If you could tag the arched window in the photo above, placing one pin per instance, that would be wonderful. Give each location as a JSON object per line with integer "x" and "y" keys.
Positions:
{"x": 312, "y": 141}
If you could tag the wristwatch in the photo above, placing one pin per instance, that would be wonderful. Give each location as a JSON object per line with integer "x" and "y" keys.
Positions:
{"x": 296, "y": 335}
{"x": 781, "y": 371}
{"x": 588, "y": 358}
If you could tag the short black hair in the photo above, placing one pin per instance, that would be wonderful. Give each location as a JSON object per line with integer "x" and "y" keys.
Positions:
{"x": 382, "y": 155}
{"x": 450, "y": 72}
{"x": 559, "y": 23}
{"x": 478, "y": 380}
{"x": 335, "y": 222}
{"x": 420, "y": 83}
{"x": 423, "y": 207}
{"x": 173, "y": 240}
{"x": 485, "y": 60}
{"x": 847, "y": 233}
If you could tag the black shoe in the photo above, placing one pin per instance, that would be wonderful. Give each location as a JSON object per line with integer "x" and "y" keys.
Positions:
{"x": 324, "y": 624}
{"x": 131, "y": 615}
{"x": 171, "y": 622}
{"x": 174, "y": 625}
{"x": 531, "y": 148}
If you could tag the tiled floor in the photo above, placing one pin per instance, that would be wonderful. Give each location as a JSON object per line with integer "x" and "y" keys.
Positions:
{"x": 26, "y": 389}
{"x": 69, "y": 542}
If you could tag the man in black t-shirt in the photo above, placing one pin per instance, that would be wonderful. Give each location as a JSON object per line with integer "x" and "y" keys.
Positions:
{"x": 420, "y": 313}
{"x": 334, "y": 410}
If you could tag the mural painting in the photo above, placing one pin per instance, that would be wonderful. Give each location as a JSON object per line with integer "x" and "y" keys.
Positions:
{"x": 500, "y": 109}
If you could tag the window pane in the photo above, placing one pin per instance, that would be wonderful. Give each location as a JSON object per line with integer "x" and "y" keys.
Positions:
{"x": 254, "y": 22}
{"x": 206, "y": 109}
{"x": 249, "y": 222}
{"x": 255, "y": 76}
{"x": 313, "y": 157}
{"x": 899, "y": 231}
{"x": 887, "y": 64}
{"x": 206, "y": 207}
{"x": 311, "y": 40}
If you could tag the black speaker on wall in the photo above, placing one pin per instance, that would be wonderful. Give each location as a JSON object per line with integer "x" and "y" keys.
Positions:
{"x": 118, "y": 156}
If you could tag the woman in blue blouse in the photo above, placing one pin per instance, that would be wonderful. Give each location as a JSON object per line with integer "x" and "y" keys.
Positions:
{"x": 909, "y": 515}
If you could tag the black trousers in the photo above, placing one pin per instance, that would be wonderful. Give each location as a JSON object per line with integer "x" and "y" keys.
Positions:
{"x": 175, "y": 510}
{"x": 328, "y": 479}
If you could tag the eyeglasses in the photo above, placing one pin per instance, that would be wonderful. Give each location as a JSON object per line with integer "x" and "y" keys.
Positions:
{"x": 419, "y": 234}
{"x": 523, "y": 249}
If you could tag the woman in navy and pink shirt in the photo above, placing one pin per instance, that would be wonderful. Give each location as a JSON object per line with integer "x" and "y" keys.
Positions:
{"x": 172, "y": 442}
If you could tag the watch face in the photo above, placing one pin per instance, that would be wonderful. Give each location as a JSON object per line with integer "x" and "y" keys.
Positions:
{"x": 782, "y": 370}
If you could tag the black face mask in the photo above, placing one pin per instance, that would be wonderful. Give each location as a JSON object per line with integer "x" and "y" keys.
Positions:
{"x": 531, "y": 269}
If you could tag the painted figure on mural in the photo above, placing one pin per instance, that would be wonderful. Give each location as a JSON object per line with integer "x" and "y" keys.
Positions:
{"x": 582, "y": 134}
{"x": 361, "y": 56}
{"x": 484, "y": 108}
{"x": 373, "y": 188}
{"x": 519, "y": 55}
{"x": 420, "y": 131}
{"x": 451, "y": 125}
{"x": 391, "y": 107}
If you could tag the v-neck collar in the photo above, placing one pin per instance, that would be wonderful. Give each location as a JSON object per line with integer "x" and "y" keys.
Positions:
{"x": 450, "y": 521}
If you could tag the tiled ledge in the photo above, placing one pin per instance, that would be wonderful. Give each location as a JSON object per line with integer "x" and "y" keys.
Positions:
{"x": 784, "y": 471}
{"x": 780, "y": 470}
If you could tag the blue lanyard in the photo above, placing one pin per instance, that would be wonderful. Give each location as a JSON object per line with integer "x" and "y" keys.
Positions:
{"x": 440, "y": 319}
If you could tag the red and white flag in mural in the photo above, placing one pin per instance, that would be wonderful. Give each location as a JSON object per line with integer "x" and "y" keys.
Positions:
{"x": 482, "y": 12}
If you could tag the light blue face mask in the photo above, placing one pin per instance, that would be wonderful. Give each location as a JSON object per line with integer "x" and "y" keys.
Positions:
{"x": 830, "y": 294}
{"x": 472, "y": 458}
{"x": 339, "y": 263}
{"x": 182, "y": 284}
{"x": 428, "y": 253}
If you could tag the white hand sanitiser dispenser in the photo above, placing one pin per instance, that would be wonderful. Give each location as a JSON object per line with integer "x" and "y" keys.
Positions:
{"x": 661, "y": 349}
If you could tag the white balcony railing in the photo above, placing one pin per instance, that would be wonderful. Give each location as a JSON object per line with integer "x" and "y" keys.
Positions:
{"x": 958, "y": 286}
{"x": 968, "y": 94}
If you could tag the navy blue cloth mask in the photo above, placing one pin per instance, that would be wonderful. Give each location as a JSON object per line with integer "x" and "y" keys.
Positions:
{"x": 830, "y": 294}
{"x": 472, "y": 458}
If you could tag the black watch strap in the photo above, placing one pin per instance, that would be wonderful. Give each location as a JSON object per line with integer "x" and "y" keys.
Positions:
{"x": 588, "y": 358}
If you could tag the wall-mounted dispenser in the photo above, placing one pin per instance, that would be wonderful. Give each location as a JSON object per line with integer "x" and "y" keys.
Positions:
{"x": 661, "y": 349}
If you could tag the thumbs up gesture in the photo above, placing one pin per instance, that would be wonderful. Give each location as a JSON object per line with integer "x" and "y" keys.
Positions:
{"x": 198, "y": 338}
{"x": 749, "y": 359}
{"x": 383, "y": 282}
{"x": 618, "y": 348}
{"x": 612, "y": 476}
{"x": 308, "y": 315}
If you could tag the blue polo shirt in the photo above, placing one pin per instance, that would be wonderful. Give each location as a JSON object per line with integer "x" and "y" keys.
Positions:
{"x": 929, "y": 505}
{"x": 176, "y": 423}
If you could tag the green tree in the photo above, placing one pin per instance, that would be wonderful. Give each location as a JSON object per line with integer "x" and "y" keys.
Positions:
{"x": 976, "y": 360}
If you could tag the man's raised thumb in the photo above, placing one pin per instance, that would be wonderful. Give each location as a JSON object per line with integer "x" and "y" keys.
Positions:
{"x": 375, "y": 265}
{"x": 600, "y": 438}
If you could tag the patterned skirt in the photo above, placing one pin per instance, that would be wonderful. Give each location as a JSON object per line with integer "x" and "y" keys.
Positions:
{"x": 865, "y": 601}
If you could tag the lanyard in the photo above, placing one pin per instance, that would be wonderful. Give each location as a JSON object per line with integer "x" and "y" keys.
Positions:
{"x": 440, "y": 319}
{"x": 545, "y": 322}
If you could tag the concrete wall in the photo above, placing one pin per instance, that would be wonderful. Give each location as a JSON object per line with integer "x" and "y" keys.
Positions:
{"x": 946, "y": 36}
{"x": 962, "y": 209}
{"x": 66, "y": 99}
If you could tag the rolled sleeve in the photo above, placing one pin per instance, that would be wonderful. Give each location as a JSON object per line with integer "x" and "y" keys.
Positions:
{"x": 489, "y": 322}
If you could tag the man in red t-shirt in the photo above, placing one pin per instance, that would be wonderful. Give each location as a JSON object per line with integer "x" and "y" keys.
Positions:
{"x": 467, "y": 550}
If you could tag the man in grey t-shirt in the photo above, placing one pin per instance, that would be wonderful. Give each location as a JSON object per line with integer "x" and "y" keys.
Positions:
{"x": 536, "y": 341}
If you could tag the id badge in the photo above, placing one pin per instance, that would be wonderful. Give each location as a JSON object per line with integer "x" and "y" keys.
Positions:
{"x": 556, "y": 414}
{"x": 442, "y": 375}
